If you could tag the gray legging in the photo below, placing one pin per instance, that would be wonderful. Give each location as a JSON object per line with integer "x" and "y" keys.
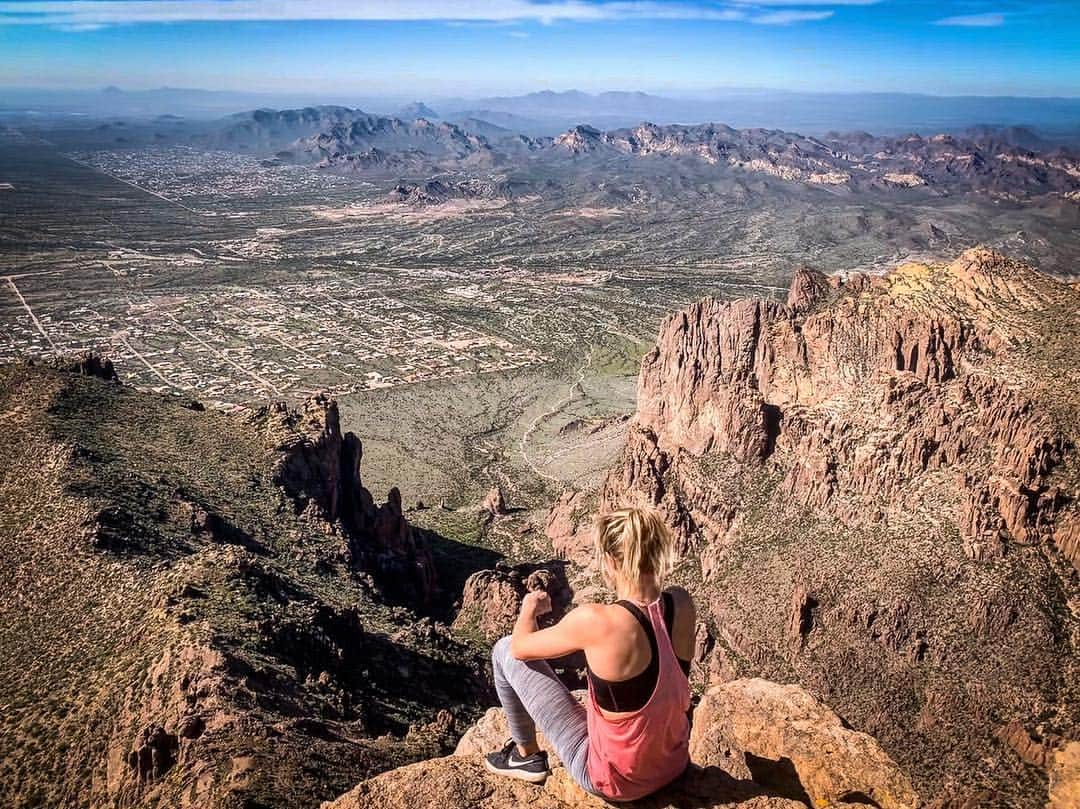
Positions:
{"x": 532, "y": 695}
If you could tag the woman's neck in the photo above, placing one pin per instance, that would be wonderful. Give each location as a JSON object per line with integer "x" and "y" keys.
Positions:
{"x": 644, "y": 591}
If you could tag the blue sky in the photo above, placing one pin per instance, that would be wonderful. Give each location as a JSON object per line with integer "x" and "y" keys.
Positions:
{"x": 433, "y": 48}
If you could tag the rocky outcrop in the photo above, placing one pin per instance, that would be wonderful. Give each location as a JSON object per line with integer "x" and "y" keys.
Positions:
{"x": 89, "y": 363}
{"x": 491, "y": 599}
{"x": 582, "y": 139}
{"x": 862, "y": 398}
{"x": 494, "y": 504}
{"x": 437, "y": 191}
{"x": 756, "y": 745}
{"x": 743, "y": 723}
{"x": 876, "y": 487}
{"x": 807, "y": 288}
{"x": 154, "y": 753}
{"x": 318, "y": 467}
{"x": 463, "y": 782}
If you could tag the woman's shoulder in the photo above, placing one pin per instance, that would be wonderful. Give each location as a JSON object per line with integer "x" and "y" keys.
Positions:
{"x": 591, "y": 622}
{"x": 598, "y": 613}
{"x": 681, "y": 600}
{"x": 679, "y": 594}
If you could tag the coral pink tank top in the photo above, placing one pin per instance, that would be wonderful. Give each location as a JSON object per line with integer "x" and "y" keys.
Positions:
{"x": 636, "y": 754}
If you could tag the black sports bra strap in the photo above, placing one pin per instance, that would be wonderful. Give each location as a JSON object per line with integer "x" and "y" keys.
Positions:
{"x": 669, "y": 611}
{"x": 642, "y": 619}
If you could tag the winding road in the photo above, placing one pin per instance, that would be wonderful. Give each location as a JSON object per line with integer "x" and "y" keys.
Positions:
{"x": 559, "y": 405}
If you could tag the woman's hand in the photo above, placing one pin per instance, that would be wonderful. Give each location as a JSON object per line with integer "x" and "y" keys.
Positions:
{"x": 535, "y": 604}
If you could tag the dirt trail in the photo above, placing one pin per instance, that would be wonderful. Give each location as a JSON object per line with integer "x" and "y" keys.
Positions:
{"x": 30, "y": 312}
{"x": 559, "y": 405}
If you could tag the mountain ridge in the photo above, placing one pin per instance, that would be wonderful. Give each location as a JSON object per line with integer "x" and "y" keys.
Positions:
{"x": 220, "y": 600}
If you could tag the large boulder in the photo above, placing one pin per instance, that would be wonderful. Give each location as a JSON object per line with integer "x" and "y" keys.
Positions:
{"x": 754, "y": 728}
{"x": 463, "y": 783}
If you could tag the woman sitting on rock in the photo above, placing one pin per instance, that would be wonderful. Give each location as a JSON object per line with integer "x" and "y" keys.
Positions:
{"x": 632, "y": 735}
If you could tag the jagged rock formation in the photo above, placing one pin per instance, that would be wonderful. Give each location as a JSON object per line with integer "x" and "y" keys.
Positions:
{"x": 437, "y": 191}
{"x": 211, "y": 640}
{"x": 877, "y": 486}
{"x": 319, "y": 468}
{"x": 582, "y": 139}
{"x": 755, "y": 745}
{"x": 807, "y": 288}
{"x": 942, "y": 163}
{"x": 763, "y": 377}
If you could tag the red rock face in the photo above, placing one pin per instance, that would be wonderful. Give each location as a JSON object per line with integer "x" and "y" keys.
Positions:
{"x": 855, "y": 402}
{"x": 876, "y": 488}
{"x": 569, "y": 527}
{"x": 807, "y": 288}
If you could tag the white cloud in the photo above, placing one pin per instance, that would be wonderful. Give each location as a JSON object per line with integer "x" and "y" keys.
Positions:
{"x": 805, "y": 3}
{"x": 78, "y": 27}
{"x": 987, "y": 20}
{"x": 87, "y": 14}
{"x": 107, "y": 12}
{"x": 789, "y": 17}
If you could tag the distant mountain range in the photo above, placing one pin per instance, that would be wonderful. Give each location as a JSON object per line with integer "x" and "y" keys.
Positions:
{"x": 547, "y": 113}
{"x": 1009, "y": 163}
{"x": 811, "y": 113}
{"x": 996, "y": 161}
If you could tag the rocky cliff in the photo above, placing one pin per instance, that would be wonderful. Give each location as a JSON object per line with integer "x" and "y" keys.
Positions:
{"x": 876, "y": 486}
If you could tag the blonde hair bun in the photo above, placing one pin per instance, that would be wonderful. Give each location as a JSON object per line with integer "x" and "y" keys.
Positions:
{"x": 638, "y": 541}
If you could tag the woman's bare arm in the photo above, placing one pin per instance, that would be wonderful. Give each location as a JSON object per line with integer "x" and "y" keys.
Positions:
{"x": 579, "y": 629}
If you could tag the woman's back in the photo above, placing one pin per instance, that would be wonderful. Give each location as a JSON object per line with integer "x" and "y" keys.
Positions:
{"x": 623, "y": 670}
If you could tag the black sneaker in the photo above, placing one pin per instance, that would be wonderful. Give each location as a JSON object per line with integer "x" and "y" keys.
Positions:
{"x": 533, "y": 769}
